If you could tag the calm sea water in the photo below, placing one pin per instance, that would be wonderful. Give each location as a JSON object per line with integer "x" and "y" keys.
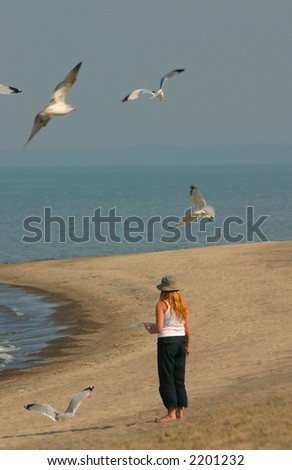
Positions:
{"x": 53, "y": 213}
{"x": 139, "y": 192}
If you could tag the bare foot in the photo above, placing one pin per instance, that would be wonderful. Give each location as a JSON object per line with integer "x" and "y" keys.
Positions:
{"x": 179, "y": 413}
{"x": 165, "y": 418}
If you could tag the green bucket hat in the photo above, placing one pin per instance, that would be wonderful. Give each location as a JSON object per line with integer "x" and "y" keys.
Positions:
{"x": 168, "y": 284}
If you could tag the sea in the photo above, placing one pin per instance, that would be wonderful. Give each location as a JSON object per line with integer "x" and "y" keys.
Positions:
{"x": 69, "y": 212}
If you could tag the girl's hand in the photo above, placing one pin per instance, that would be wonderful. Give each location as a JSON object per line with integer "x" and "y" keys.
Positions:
{"x": 188, "y": 350}
{"x": 149, "y": 327}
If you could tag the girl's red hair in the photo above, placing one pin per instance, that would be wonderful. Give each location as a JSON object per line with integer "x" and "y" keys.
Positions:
{"x": 178, "y": 305}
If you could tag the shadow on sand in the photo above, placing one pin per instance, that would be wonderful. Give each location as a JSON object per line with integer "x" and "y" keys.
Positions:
{"x": 50, "y": 433}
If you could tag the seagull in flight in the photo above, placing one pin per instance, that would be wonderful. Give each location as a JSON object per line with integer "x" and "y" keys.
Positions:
{"x": 57, "y": 105}
{"x": 8, "y": 90}
{"x": 202, "y": 209}
{"x": 154, "y": 94}
{"x": 55, "y": 415}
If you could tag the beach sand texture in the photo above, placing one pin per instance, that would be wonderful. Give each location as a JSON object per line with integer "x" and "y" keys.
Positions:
{"x": 238, "y": 373}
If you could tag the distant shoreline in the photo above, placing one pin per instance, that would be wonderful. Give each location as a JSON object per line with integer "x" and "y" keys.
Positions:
{"x": 153, "y": 155}
{"x": 109, "y": 255}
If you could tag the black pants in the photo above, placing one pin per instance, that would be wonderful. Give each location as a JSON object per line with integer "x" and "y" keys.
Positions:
{"x": 171, "y": 358}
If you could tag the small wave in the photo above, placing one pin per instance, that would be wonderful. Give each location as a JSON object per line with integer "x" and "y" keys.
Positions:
{"x": 7, "y": 353}
{"x": 6, "y": 346}
{"x": 8, "y": 309}
{"x": 5, "y": 359}
{"x": 15, "y": 310}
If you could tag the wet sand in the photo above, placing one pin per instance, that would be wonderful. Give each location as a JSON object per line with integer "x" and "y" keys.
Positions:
{"x": 238, "y": 373}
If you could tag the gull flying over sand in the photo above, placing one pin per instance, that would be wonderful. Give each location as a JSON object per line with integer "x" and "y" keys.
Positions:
{"x": 155, "y": 94}
{"x": 55, "y": 415}
{"x": 57, "y": 105}
{"x": 8, "y": 90}
{"x": 202, "y": 209}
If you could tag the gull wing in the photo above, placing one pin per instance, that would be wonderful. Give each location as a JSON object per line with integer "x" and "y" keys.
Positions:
{"x": 77, "y": 399}
{"x": 190, "y": 216}
{"x": 8, "y": 90}
{"x": 61, "y": 90}
{"x": 137, "y": 93}
{"x": 185, "y": 220}
{"x": 197, "y": 198}
{"x": 40, "y": 121}
{"x": 44, "y": 409}
{"x": 170, "y": 75}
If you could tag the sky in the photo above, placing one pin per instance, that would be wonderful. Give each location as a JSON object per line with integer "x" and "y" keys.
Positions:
{"x": 235, "y": 91}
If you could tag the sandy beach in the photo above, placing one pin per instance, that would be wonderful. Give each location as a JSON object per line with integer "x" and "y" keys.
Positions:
{"x": 238, "y": 373}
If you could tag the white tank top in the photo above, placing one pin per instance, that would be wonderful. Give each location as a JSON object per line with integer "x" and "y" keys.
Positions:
{"x": 172, "y": 326}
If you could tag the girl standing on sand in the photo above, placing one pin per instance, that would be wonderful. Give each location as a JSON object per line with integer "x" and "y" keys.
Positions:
{"x": 173, "y": 329}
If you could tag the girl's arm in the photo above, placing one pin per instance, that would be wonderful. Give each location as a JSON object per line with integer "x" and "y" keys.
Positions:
{"x": 157, "y": 327}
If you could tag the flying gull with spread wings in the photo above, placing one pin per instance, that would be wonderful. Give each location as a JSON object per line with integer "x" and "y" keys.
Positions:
{"x": 55, "y": 415}
{"x": 201, "y": 208}
{"x": 8, "y": 90}
{"x": 57, "y": 105}
{"x": 159, "y": 94}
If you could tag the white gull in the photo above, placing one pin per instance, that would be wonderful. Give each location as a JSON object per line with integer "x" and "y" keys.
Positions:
{"x": 202, "y": 209}
{"x": 8, "y": 90}
{"x": 159, "y": 94}
{"x": 57, "y": 105}
{"x": 55, "y": 415}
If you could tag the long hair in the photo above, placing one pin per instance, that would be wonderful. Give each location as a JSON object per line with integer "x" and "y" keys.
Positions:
{"x": 178, "y": 305}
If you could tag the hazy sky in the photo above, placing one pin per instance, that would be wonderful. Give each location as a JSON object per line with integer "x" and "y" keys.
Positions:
{"x": 236, "y": 89}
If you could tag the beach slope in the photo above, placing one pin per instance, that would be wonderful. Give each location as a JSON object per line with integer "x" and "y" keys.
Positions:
{"x": 238, "y": 373}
